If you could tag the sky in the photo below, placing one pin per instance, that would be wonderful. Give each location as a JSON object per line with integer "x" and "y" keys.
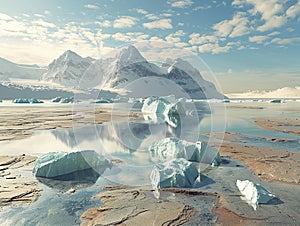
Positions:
{"x": 247, "y": 44}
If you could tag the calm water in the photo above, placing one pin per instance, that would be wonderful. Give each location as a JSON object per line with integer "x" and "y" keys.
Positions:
{"x": 128, "y": 141}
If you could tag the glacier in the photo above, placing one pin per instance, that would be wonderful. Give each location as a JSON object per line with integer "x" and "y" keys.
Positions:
{"x": 56, "y": 164}
{"x": 254, "y": 194}
{"x": 176, "y": 172}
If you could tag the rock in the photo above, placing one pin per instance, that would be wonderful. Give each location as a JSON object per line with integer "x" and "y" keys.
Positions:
{"x": 172, "y": 147}
{"x": 174, "y": 173}
{"x": 275, "y": 101}
{"x": 162, "y": 109}
{"x": 55, "y": 164}
{"x": 254, "y": 194}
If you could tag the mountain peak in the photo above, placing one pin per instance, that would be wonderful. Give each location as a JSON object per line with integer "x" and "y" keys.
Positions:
{"x": 129, "y": 55}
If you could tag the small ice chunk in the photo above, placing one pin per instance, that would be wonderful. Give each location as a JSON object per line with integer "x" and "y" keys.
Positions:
{"x": 174, "y": 173}
{"x": 55, "y": 164}
{"x": 254, "y": 194}
{"x": 36, "y": 101}
{"x": 104, "y": 101}
{"x": 21, "y": 101}
{"x": 56, "y": 99}
{"x": 67, "y": 100}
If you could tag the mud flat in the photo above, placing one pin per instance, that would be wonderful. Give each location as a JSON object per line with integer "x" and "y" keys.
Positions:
{"x": 17, "y": 186}
{"x": 19, "y": 123}
{"x": 286, "y": 125}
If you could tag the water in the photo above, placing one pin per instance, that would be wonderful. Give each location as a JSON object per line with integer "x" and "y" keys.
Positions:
{"x": 128, "y": 141}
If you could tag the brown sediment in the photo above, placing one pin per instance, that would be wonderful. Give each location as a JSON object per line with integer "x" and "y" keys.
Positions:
{"x": 16, "y": 188}
{"x": 269, "y": 164}
{"x": 18, "y": 123}
{"x": 286, "y": 125}
{"x": 133, "y": 206}
{"x": 227, "y": 217}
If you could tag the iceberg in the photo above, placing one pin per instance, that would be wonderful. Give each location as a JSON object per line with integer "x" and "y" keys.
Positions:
{"x": 166, "y": 109}
{"x": 56, "y": 164}
{"x": 67, "y": 100}
{"x": 172, "y": 147}
{"x": 174, "y": 173}
{"x": 35, "y": 101}
{"x": 104, "y": 101}
{"x": 275, "y": 101}
{"x": 56, "y": 99}
{"x": 21, "y": 101}
{"x": 254, "y": 194}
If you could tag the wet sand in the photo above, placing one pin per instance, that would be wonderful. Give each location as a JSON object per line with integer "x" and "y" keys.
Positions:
{"x": 18, "y": 187}
{"x": 286, "y": 125}
{"x": 19, "y": 123}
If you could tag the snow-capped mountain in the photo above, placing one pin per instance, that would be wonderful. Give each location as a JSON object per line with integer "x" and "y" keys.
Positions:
{"x": 68, "y": 69}
{"x": 128, "y": 69}
{"x": 9, "y": 69}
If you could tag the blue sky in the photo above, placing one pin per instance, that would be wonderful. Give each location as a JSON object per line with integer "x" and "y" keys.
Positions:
{"x": 248, "y": 44}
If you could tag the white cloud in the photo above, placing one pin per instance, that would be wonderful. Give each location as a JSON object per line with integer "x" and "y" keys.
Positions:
{"x": 294, "y": 10}
{"x": 180, "y": 24}
{"x": 274, "y": 33}
{"x": 237, "y": 26}
{"x": 214, "y": 48}
{"x": 196, "y": 39}
{"x": 258, "y": 39}
{"x": 130, "y": 36}
{"x": 47, "y": 12}
{"x": 273, "y": 12}
{"x": 275, "y": 22}
{"x": 283, "y": 41}
{"x": 91, "y": 6}
{"x": 151, "y": 16}
{"x": 159, "y": 24}
{"x": 39, "y": 15}
{"x": 141, "y": 11}
{"x": 125, "y": 21}
{"x": 43, "y": 23}
{"x": 5, "y": 17}
{"x": 104, "y": 23}
{"x": 181, "y": 3}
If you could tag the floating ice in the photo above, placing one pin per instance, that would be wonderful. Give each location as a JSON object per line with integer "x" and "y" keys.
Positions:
{"x": 36, "y": 101}
{"x": 159, "y": 109}
{"x": 254, "y": 194}
{"x": 21, "y": 101}
{"x": 275, "y": 101}
{"x": 67, "y": 100}
{"x": 174, "y": 173}
{"x": 55, "y": 164}
{"x": 172, "y": 147}
{"x": 104, "y": 101}
{"x": 56, "y": 99}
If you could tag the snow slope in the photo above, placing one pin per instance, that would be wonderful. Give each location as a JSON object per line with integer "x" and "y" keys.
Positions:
{"x": 285, "y": 92}
{"x": 9, "y": 69}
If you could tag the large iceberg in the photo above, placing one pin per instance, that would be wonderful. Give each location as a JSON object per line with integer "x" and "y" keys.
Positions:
{"x": 36, "y": 101}
{"x": 166, "y": 109}
{"x": 56, "y": 164}
{"x": 254, "y": 194}
{"x": 172, "y": 147}
{"x": 174, "y": 173}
